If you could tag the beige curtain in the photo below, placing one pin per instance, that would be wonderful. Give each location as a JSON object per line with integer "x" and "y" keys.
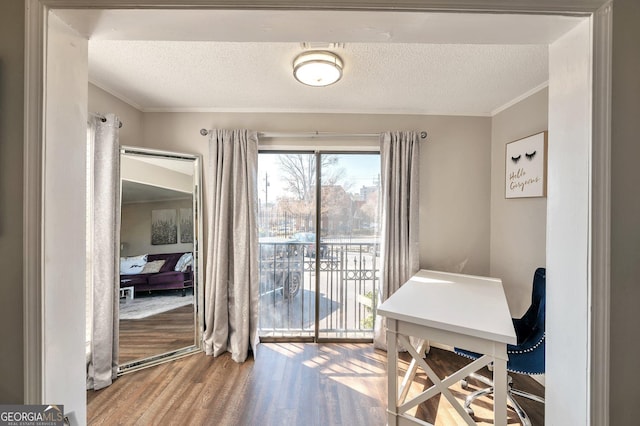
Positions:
{"x": 400, "y": 156}
{"x": 231, "y": 304}
{"x": 102, "y": 288}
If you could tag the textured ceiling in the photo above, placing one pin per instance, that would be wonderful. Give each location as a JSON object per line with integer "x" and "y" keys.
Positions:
{"x": 459, "y": 64}
{"x": 378, "y": 78}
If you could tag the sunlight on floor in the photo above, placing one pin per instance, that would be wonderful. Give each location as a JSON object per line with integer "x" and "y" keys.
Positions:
{"x": 290, "y": 350}
{"x": 366, "y": 374}
{"x": 364, "y": 378}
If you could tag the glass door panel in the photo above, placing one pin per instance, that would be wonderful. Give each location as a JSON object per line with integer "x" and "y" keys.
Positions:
{"x": 349, "y": 252}
{"x": 286, "y": 221}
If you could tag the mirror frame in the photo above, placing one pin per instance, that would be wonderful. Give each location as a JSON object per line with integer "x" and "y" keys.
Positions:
{"x": 198, "y": 275}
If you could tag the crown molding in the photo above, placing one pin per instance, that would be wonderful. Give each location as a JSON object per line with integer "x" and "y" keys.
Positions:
{"x": 519, "y": 98}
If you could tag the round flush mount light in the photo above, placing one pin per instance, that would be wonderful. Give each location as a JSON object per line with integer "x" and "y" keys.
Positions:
{"x": 317, "y": 68}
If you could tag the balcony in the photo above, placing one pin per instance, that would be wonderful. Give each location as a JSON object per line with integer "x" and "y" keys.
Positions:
{"x": 346, "y": 279}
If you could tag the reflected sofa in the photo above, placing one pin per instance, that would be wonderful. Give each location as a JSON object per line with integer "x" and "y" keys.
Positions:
{"x": 167, "y": 278}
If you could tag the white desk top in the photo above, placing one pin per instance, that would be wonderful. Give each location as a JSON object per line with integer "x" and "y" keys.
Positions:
{"x": 465, "y": 304}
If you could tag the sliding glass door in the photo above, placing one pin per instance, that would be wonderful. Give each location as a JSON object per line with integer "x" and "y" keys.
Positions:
{"x": 287, "y": 223}
{"x": 319, "y": 244}
{"x": 349, "y": 245}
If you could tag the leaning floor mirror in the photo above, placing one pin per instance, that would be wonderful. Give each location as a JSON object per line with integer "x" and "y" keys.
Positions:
{"x": 160, "y": 282}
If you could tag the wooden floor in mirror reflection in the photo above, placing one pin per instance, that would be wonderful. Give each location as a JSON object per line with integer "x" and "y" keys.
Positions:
{"x": 156, "y": 334}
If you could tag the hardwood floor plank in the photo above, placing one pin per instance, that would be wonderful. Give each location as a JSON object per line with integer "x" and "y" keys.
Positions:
{"x": 287, "y": 384}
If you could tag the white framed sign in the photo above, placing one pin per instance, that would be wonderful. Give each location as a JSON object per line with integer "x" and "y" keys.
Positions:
{"x": 526, "y": 167}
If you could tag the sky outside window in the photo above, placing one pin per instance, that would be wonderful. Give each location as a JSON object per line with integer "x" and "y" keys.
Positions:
{"x": 358, "y": 170}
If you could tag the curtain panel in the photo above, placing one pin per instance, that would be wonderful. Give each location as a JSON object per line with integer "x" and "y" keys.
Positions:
{"x": 102, "y": 288}
{"x": 231, "y": 304}
{"x": 399, "y": 156}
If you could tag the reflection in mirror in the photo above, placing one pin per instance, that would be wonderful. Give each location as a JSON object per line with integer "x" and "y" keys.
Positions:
{"x": 159, "y": 270}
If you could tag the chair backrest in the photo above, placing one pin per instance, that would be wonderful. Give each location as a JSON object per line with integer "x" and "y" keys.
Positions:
{"x": 535, "y": 315}
{"x": 528, "y": 356}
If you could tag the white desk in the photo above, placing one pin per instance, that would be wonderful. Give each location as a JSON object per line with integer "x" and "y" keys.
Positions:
{"x": 457, "y": 310}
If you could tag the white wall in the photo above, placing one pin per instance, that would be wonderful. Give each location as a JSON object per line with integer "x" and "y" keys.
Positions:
{"x": 568, "y": 206}
{"x": 454, "y": 169}
{"x": 64, "y": 219}
{"x": 455, "y": 194}
{"x": 518, "y": 226}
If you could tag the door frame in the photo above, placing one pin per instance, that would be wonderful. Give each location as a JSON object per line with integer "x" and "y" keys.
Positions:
{"x": 600, "y": 14}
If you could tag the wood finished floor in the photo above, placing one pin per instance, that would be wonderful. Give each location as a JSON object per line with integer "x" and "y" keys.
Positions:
{"x": 157, "y": 334}
{"x": 288, "y": 384}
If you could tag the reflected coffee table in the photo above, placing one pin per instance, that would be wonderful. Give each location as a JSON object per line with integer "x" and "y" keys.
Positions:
{"x": 127, "y": 292}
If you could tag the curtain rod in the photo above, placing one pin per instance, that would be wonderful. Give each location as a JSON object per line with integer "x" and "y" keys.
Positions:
{"x": 104, "y": 119}
{"x": 316, "y": 134}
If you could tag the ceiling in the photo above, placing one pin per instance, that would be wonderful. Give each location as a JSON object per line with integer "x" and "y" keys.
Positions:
{"x": 134, "y": 192}
{"x": 241, "y": 61}
{"x": 151, "y": 188}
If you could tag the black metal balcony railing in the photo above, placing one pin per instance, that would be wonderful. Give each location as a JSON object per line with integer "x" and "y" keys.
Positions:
{"x": 347, "y": 275}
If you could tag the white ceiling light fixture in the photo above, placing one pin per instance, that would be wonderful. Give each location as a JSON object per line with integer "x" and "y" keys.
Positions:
{"x": 317, "y": 68}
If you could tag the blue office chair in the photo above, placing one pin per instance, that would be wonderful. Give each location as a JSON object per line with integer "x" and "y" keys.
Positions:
{"x": 526, "y": 357}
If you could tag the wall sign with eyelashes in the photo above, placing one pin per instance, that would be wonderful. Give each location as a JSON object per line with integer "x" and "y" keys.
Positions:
{"x": 526, "y": 154}
{"x": 525, "y": 167}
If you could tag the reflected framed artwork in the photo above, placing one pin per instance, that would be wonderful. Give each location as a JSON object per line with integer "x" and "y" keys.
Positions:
{"x": 186, "y": 225}
{"x": 526, "y": 167}
{"x": 164, "y": 227}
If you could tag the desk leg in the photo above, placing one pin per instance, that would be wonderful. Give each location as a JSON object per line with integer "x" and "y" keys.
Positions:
{"x": 411, "y": 372}
{"x": 392, "y": 373}
{"x": 500, "y": 392}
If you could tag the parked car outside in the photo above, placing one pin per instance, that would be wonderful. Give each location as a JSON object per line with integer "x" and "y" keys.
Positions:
{"x": 309, "y": 246}
{"x": 281, "y": 267}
